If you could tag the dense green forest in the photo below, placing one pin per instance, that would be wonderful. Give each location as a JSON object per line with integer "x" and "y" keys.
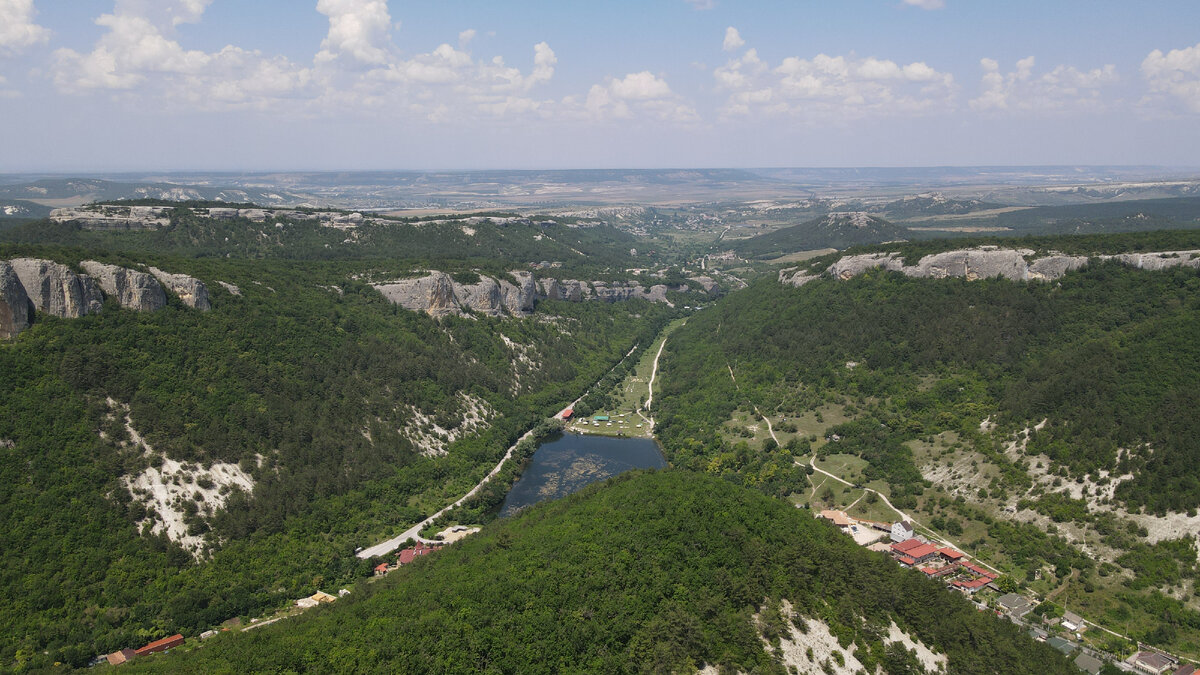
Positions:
{"x": 310, "y": 382}
{"x": 516, "y": 243}
{"x": 1106, "y": 355}
{"x": 648, "y": 572}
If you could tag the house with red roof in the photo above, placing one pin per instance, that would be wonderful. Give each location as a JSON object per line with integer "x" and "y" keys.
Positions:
{"x": 160, "y": 645}
{"x": 950, "y": 555}
{"x": 381, "y": 569}
{"x": 410, "y": 554}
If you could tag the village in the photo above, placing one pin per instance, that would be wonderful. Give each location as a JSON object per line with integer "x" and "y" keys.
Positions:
{"x": 1060, "y": 629}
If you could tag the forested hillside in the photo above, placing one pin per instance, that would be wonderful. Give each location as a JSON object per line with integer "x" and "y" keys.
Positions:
{"x": 1105, "y": 356}
{"x": 315, "y": 411}
{"x": 513, "y": 240}
{"x": 661, "y": 572}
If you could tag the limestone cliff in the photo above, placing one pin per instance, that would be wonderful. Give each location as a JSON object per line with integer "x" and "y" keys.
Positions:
{"x": 133, "y": 290}
{"x": 483, "y": 297}
{"x": 433, "y": 294}
{"x": 437, "y": 294}
{"x": 190, "y": 290}
{"x": 988, "y": 262}
{"x": 15, "y": 310}
{"x": 519, "y": 298}
{"x": 54, "y": 289}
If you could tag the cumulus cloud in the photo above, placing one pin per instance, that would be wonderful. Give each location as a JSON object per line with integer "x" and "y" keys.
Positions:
{"x": 733, "y": 40}
{"x": 637, "y": 94}
{"x": 356, "y": 67}
{"x": 17, "y": 28}
{"x": 139, "y": 50}
{"x": 359, "y": 30}
{"x": 1064, "y": 88}
{"x": 1174, "y": 75}
{"x": 824, "y": 86}
{"x": 926, "y": 4}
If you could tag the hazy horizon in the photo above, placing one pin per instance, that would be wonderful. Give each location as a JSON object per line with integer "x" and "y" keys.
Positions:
{"x": 199, "y": 85}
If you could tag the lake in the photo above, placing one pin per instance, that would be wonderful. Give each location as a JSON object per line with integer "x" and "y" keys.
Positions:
{"x": 568, "y": 462}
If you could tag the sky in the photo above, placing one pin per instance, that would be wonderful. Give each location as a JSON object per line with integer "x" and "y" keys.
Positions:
{"x": 288, "y": 85}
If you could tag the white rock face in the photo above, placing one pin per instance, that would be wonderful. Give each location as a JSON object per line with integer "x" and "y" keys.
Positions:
{"x": 519, "y": 298}
{"x": 988, "y": 262}
{"x": 190, "y": 290}
{"x": 54, "y": 289}
{"x": 15, "y": 311}
{"x": 483, "y": 297}
{"x": 433, "y": 294}
{"x": 134, "y": 290}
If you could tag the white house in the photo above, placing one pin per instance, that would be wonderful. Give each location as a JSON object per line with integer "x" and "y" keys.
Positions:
{"x": 902, "y": 531}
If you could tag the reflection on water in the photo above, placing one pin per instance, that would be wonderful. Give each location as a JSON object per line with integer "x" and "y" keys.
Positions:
{"x": 571, "y": 461}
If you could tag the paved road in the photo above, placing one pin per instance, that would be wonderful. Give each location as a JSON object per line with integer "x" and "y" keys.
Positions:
{"x": 414, "y": 532}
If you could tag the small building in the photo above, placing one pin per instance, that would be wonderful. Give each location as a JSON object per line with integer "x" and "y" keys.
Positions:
{"x": 1072, "y": 621}
{"x": 970, "y": 587}
{"x": 1064, "y": 646}
{"x": 207, "y": 634}
{"x": 950, "y": 555}
{"x": 1015, "y": 605}
{"x": 1089, "y": 664}
{"x": 838, "y": 518}
{"x": 1038, "y": 634}
{"x": 160, "y": 645}
{"x": 568, "y": 413}
{"x": 381, "y": 569}
{"x": 117, "y": 658}
{"x": 1152, "y": 663}
{"x": 1186, "y": 669}
{"x": 902, "y": 531}
{"x": 600, "y": 418}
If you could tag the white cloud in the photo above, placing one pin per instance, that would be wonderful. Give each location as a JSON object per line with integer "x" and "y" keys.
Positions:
{"x": 830, "y": 86}
{"x": 465, "y": 37}
{"x": 733, "y": 40}
{"x": 1175, "y": 74}
{"x": 636, "y": 94}
{"x": 139, "y": 52}
{"x": 1065, "y": 88}
{"x": 358, "y": 29}
{"x": 17, "y": 28}
{"x": 926, "y": 4}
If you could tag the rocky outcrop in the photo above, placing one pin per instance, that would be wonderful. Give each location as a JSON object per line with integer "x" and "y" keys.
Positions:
{"x": 519, "y": 298}
{"x": 15, "y": 309}
{"x": 191, "y": 291}
{"x": 483, "y": 297}
{"x": 133, "y": 290}
{"x": 617, "y": 292}
{"x": 567, "y": 289}
{"x": 437, "y": 294}
{"x": 988, "y": 262}
{"x": 110, "y": 217}
{"x": 56, "y": 290}
{"x": 433, "y": 294}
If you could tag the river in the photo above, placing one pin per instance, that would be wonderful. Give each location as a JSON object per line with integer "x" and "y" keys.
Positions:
{"x": 567, "y": 462}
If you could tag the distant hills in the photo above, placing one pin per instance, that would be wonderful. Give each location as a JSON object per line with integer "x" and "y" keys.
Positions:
{"x": 835, "y": 230}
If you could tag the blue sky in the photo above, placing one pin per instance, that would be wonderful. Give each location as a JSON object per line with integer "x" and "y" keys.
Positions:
{"x": 109, "y": 85}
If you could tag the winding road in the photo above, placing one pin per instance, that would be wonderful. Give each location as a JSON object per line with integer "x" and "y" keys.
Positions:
{"x": 414, "y": 532}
